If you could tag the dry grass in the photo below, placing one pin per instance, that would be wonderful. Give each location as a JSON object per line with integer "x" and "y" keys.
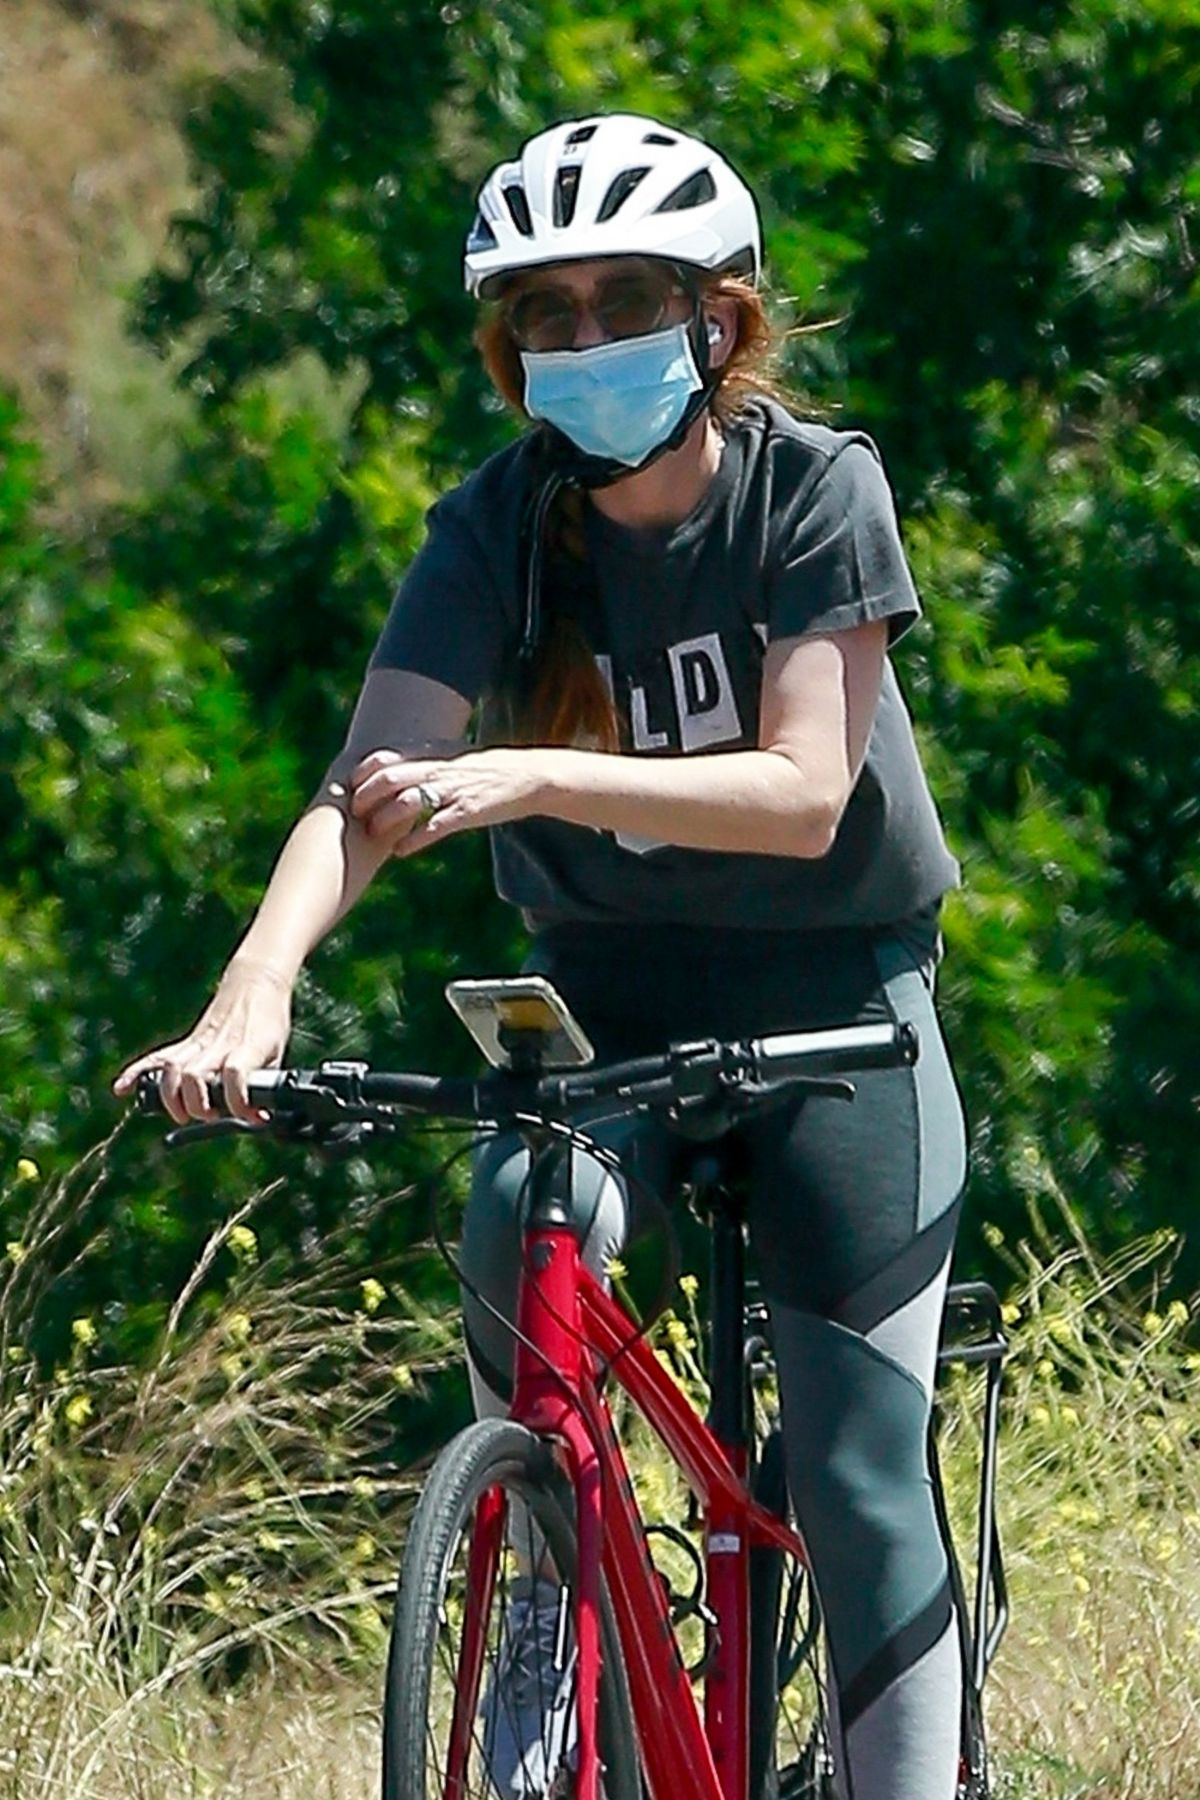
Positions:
{"x": 274, "y": 1741}
{"x": 198, "y": 1554}
{"x": 1095, "y": 1692}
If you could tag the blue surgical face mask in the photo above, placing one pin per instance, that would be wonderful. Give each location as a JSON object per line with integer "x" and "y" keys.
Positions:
{"x": 619, "y": 400}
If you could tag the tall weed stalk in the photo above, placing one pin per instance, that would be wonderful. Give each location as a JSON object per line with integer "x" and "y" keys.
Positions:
{"x": 223, "y": 1520}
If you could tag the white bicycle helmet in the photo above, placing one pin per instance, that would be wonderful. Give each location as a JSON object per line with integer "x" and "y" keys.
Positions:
{"x": 613, "y": 185}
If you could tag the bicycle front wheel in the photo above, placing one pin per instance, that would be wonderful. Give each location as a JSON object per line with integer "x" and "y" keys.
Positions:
{"x": 480, "y": 1696}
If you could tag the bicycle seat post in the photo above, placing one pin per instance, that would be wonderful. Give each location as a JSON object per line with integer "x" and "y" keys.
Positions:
{"x": 726, "y": 1549}
{"x": 712, "y": 1201}
{"x": 727, "y": 1403}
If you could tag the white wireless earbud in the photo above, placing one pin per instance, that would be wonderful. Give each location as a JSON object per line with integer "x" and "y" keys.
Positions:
{"x": 715, "y": 332}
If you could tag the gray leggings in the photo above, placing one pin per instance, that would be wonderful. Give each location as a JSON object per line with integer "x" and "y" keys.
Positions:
{"x": 852, "y": 1213}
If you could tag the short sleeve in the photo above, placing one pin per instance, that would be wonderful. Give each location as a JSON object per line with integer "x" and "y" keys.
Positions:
{"x": 447, "y": 621}
{"x": 838, "y": 560}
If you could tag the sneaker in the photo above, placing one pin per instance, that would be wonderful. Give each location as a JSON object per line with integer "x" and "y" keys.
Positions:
{"x": 528, "y": 1713}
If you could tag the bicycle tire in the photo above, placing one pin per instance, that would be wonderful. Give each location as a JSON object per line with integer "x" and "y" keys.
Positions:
{"x": 423, "y": 1656}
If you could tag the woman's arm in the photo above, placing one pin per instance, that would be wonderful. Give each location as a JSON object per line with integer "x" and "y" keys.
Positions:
{"x": 785, "y": 798}
{"x": 326, "y": 863}
{"x": 329, "y": 859}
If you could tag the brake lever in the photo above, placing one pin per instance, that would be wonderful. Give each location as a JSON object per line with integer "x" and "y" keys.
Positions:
{"x": 183, "y": 1135}
{"x": 343, "y": 1139}
{"x": 820, "y": 1087}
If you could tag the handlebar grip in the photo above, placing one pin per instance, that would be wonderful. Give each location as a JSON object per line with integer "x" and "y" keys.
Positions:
{"x": 262, "y": 1086}
{"x": 843, "y": 1050}
{"x": 147, "y": 1097}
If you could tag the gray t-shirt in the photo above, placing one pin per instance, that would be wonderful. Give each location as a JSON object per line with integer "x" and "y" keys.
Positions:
{"x": 795, "y": 535}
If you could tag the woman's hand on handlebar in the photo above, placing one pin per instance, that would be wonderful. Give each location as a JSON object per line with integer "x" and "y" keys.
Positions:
{"x": 245, "y": 1026}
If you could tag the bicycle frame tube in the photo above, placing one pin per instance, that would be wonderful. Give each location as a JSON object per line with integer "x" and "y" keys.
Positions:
{"x": 546, "y": 1399}
{"x": 565, "y": 1312}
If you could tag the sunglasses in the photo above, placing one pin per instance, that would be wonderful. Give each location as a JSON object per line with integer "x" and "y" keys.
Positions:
{"x": 623, "y": 305}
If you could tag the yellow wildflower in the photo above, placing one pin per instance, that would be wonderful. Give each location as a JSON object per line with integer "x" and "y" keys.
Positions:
{"x": 238, "y": 1327}
{"x": 373, "y": 1294}
{"x": 27, "y": 1169}
{"x": 244, "y": 1243}
{"x": 78, "y": 1410}
{"x": 83, "y": 1331}
{"x": 689, "y": 1286}
{"x": 402, "y": 1377}
{"x": 678, "y": 1334}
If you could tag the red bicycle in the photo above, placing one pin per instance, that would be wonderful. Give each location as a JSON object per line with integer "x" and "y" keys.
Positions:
{"x": 529, "y": 1567}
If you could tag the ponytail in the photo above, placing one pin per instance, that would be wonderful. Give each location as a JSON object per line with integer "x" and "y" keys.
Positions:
{"x": 562, "y": 697}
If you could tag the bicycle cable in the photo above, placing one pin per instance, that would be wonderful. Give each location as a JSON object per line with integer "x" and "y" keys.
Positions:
{"x": 574, "y": 1139}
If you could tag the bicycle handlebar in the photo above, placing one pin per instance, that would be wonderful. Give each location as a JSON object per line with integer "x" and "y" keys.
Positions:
{"x": 685, "y": 1076}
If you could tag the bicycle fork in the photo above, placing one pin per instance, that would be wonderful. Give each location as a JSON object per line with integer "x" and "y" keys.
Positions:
{"x": 549, "y": 1315}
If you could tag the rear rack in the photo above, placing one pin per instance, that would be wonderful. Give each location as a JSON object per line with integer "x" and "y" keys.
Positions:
{"x": 973, "y": 1337}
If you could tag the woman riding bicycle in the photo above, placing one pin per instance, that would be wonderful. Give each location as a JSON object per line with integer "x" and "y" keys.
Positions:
{"x": 664, "y": 614}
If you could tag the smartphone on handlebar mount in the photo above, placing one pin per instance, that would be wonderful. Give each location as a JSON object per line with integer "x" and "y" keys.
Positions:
{"x": 520, "y": 1010}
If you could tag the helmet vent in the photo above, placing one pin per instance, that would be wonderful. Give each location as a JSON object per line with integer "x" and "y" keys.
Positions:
{"x": 695, "y": 191}
{"x": 619, "y": 191}
{"x": 660, "y": 137}
{"x": 566, "y": 190}
{"x": 518, "y": 206}
{"x": 482, "y": 236}
{"x": 583, "y": 135}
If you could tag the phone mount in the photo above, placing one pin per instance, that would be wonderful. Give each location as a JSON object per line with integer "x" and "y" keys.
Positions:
{"x": 521, "y": 1022}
